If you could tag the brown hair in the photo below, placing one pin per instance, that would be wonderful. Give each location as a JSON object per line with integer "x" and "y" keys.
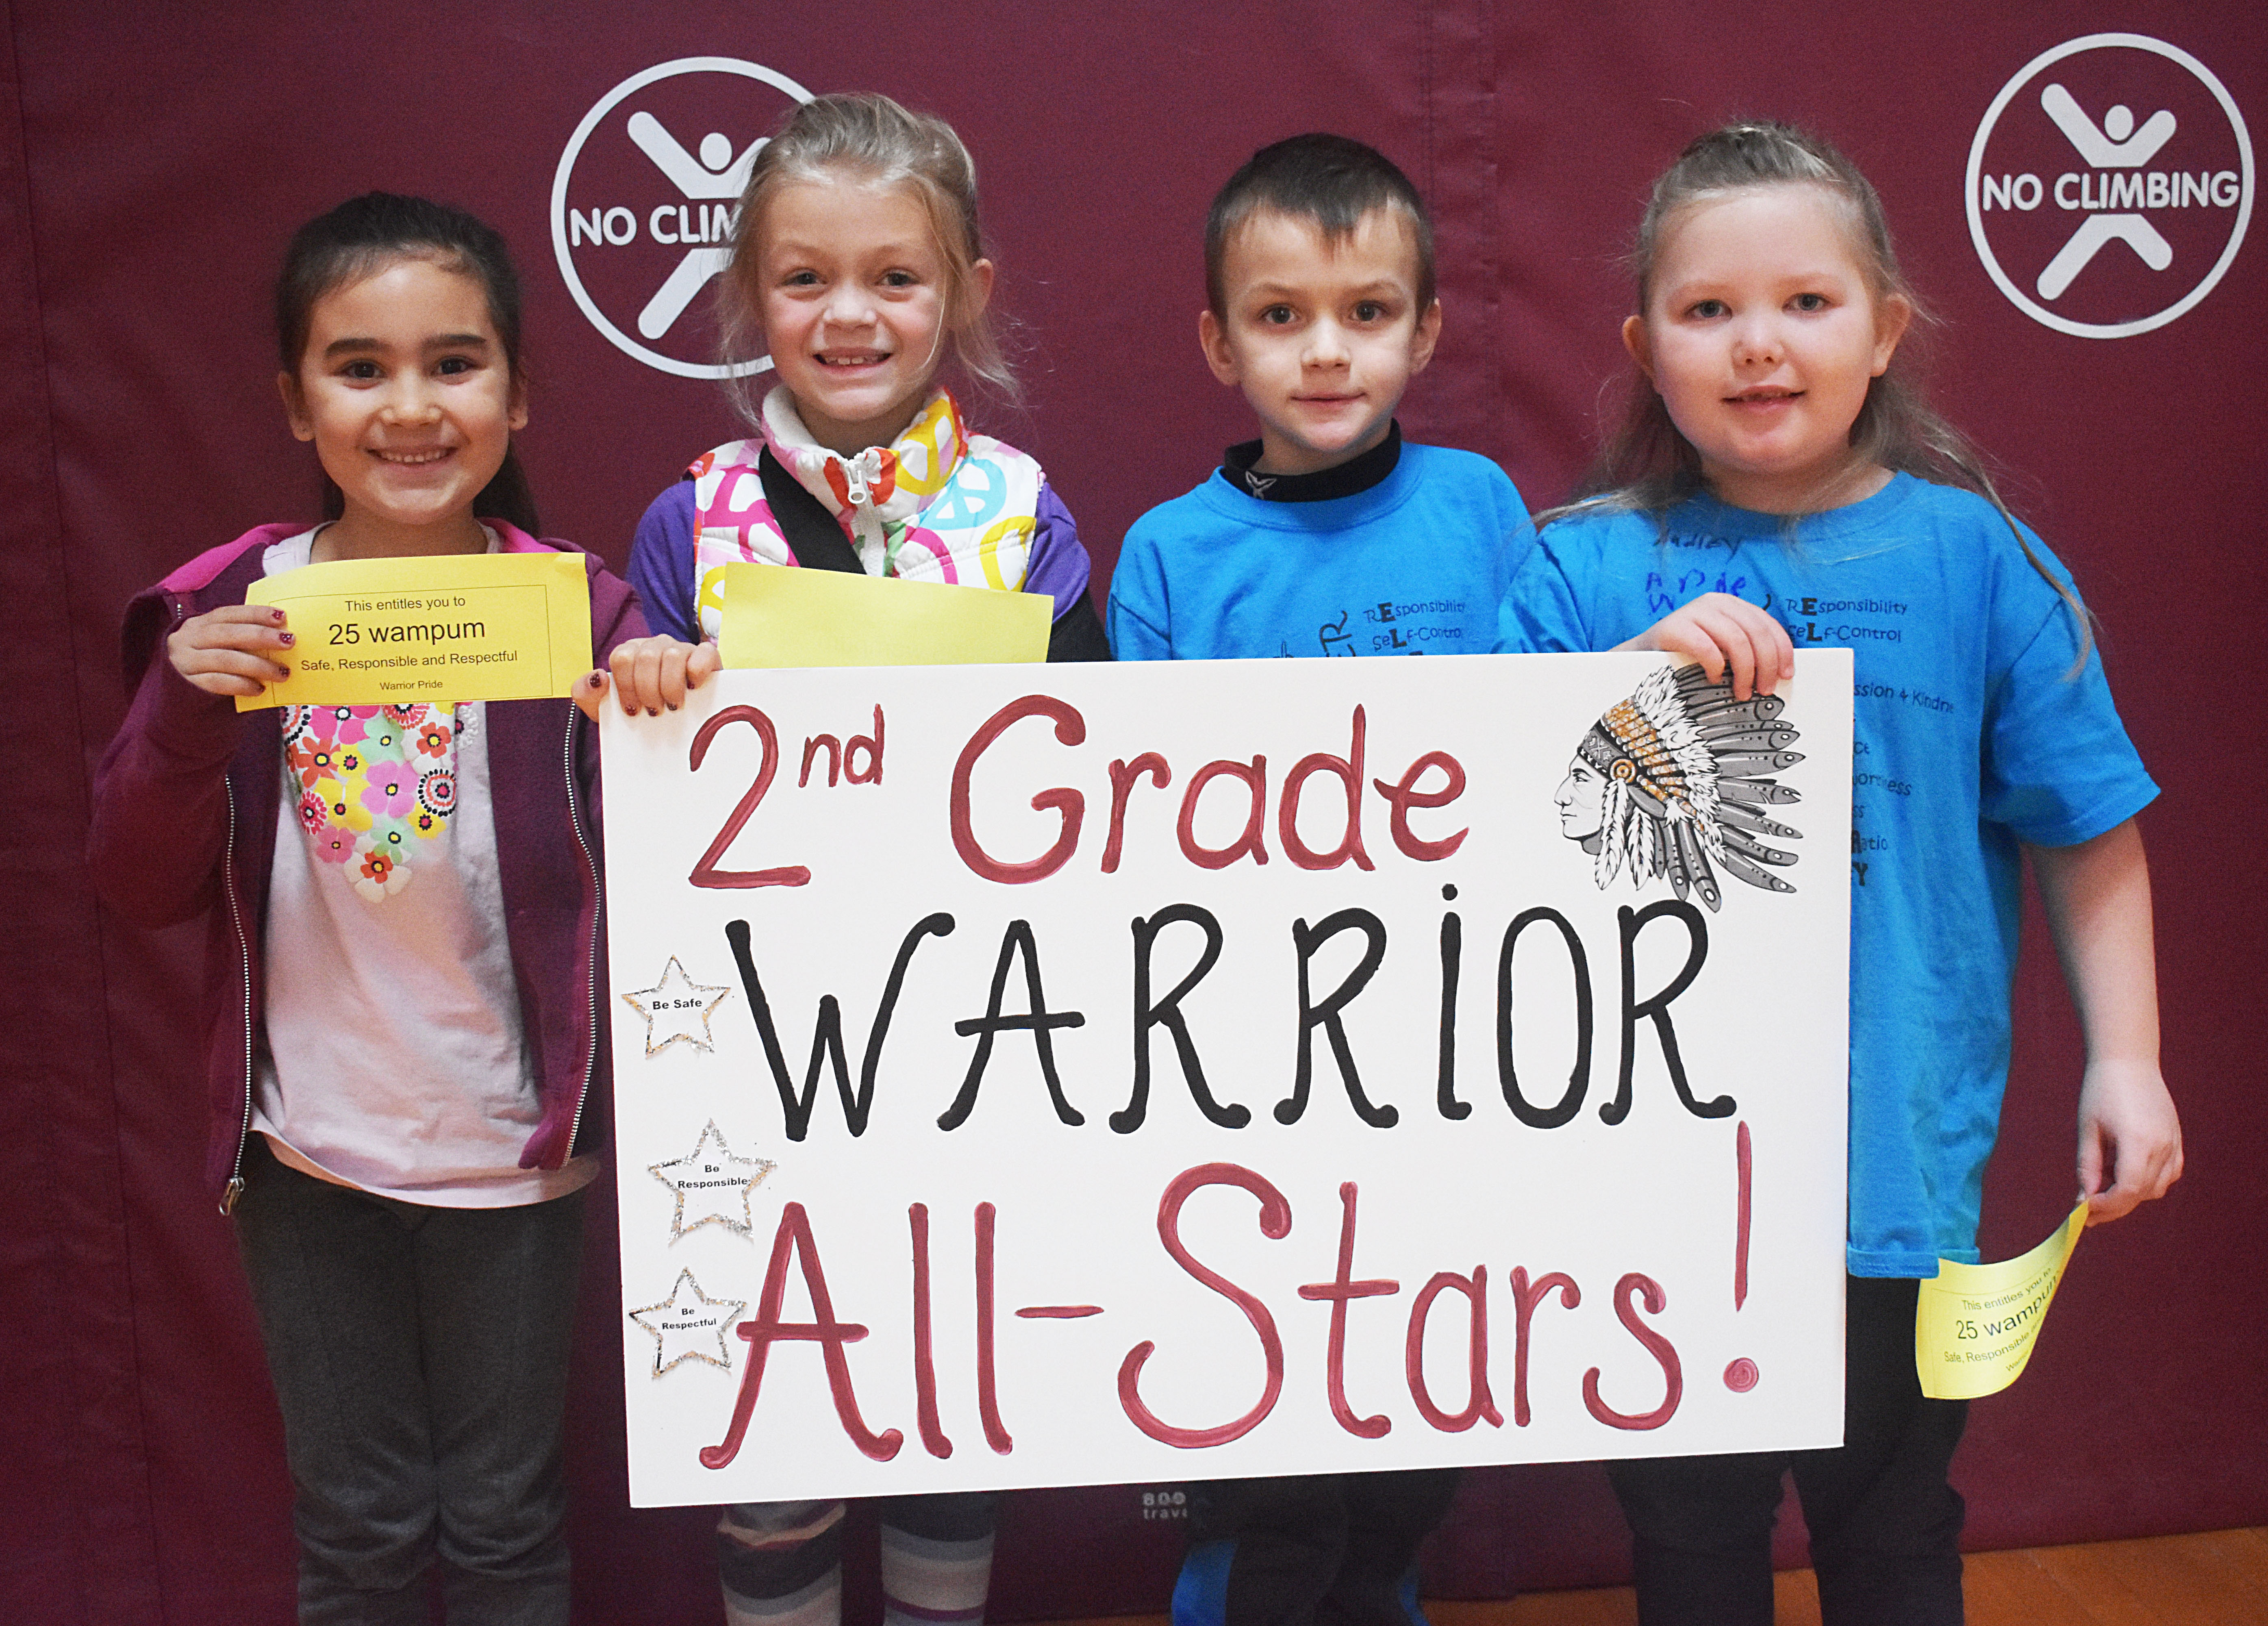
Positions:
{"x": 873, "y": 139}
{"x": 1331, "y": 181}
{"x": 1648, "y": 466}
{"x": 363, "y": 235}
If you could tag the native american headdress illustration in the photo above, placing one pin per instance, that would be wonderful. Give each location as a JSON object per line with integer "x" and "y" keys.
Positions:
{"x": 1686, "y": 769}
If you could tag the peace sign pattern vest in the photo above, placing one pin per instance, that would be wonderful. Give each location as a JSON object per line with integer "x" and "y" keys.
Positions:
{"x": 937, "y": 504}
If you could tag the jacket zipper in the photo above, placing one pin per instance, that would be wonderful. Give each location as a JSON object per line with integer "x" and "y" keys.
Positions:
{"x": 235, "y": 1187}
{"x": 234, "y": 1190}
{"x": 598, "y": 923}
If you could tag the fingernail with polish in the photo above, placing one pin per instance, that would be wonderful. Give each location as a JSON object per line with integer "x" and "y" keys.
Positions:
{"x": 286, "y": 639}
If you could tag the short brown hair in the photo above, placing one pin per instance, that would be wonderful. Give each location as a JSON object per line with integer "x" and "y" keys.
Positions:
{"x": 1333, "y": 181}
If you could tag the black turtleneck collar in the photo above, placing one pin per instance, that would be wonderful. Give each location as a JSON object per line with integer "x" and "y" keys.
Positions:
{"x": 1357, "y": 474}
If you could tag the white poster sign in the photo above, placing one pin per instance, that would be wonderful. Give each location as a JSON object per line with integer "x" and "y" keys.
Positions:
{"x": 1082, "y": 1074}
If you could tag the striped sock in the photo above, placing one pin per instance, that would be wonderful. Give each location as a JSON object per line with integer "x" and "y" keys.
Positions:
{"x": 937, "y": 1560}
{"x": 780, "y": 1563}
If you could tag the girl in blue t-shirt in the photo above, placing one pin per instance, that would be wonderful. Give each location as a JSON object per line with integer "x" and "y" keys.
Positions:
{"x": 1779, "y": 480}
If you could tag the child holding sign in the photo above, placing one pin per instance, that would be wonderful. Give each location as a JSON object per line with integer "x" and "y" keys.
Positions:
{"x": 403, "y": 1006}
{"x": 857, "y": 262}
{"x": 1780, "y": 456}
{"x": 1327, "y": 535}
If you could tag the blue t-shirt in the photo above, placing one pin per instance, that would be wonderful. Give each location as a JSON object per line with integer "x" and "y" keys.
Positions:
{"x": 1972, "y": 735}
{"x": 1415, "y": 565}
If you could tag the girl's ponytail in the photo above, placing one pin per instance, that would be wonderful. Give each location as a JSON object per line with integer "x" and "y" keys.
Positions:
{"x": 1647, "y": 466}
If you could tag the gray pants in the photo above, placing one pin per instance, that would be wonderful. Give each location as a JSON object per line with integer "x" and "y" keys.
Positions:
{"x": 420, "y": 1359}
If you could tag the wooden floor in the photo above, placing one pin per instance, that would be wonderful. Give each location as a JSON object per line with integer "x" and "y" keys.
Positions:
{"x": 2216, "y": 1579}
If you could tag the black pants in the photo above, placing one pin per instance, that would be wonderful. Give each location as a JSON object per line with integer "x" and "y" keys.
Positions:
{"x": 1317, "y": 1549}
{"x": 420, "y": 1360}
{"x": 1885, "y": 1524}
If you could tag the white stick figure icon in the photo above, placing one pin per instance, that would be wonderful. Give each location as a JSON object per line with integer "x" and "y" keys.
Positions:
{"x": 2117, "y": 144}
{"x": 715, "y": 174}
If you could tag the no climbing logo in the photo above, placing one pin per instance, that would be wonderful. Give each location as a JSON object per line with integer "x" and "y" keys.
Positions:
{"x": 2109, "y": 185}
{"x": 643, "y": 199}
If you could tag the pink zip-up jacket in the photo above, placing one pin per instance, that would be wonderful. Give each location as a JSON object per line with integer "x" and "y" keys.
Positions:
{"x": 186, "y": 805}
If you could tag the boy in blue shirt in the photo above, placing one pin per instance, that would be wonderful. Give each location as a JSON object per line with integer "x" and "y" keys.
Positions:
{"x": 1327, "y": 535}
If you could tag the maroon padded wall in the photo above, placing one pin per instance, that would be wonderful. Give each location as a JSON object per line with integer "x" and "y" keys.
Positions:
{"x": 153, "y": 161}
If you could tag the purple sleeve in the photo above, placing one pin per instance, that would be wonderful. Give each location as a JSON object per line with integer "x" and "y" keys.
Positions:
{"x": 617, "y": 614}
{"x": 1059, "y": 564}
{"x": 661, "y": 564}
{"x": 616, "y": 617}
{"x": 158, "y": 833}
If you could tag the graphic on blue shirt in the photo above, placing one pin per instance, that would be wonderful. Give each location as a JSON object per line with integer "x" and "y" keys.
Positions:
{"x": 1978, "y": 728}
{"x": 1413, "y": 565}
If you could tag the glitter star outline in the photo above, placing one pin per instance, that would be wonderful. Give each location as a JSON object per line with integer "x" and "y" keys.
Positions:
{"x": 676, "y": 999}
{"x": 729, "y": 1310}
{"x": 701, "y": 1161}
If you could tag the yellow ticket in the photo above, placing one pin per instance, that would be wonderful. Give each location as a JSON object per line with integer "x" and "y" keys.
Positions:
{"x": 445, "y": 628}
{"x": 776, "y": 616}
{"x": 1977, "y": 1324}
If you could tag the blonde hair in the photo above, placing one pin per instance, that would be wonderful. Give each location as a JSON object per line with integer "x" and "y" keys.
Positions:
{"x": 872, "y": 139}
{"x": 1646, "y": 465}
